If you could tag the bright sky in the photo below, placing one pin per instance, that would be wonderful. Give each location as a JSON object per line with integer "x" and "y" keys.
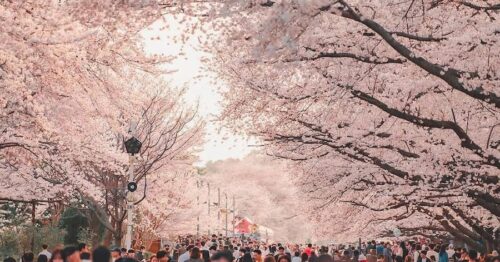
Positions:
{"x": 189, "y": 72}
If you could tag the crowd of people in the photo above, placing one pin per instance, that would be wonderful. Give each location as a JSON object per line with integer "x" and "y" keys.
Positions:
{"x": 219, "y": 249}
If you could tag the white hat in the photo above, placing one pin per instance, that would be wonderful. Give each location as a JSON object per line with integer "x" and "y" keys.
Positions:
{"x": 494, "y": 253}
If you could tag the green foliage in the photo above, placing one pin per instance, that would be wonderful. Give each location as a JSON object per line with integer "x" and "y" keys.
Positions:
{"x": 50, "y": 235}
{"x": 17, "y": 230}
{"x": 9, "y": 243}
{"x": 14, "y": 241}
{"x": 14, "y": 214}
{"x": 73, "y": 222}
{"x": 86, "y": 235}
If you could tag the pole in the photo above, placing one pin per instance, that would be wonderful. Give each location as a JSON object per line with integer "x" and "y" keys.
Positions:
{"x": 227, "y": 211}
{"x": 359, "y": 246}
{"x": 130, "y": 205}
{"x": 234, "y": 213}
{"x": 198, "y": 207}
{"x": 33, "y": 212}
{"x": 218, "y": 213}
{"x": 208, "y": 204}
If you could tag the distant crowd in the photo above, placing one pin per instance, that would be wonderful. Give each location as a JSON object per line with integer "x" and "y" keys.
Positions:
{"x": 219, "y": 249}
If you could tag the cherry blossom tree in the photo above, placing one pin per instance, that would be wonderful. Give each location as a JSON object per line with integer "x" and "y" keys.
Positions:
{"x": 385, "y": 105}
{"x": 170, "y": 133}
{"x": 168, "y": 211}
{"x": 61, "y": 77}
{"x": 264, "y": 192}
{"x": 74, "y": 76}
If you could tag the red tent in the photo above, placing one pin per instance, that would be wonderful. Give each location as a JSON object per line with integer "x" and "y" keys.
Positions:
{"x": 243, "y": 226}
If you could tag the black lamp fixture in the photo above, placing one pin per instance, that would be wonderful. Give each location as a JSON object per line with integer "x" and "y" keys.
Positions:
{"x": 133, "y": 145}
{"x": 132, "y": 186}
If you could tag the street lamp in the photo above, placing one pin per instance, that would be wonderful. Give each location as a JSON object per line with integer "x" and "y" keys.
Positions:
{"x": 225, "y": 194}
{"x": 133, "y": 146}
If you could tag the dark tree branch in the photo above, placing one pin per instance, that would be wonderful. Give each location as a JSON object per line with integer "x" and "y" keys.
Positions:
{"x": 480, "y": 8}
{"x": 467, "y": 142}
{"x": 364, "y": 59}
{"x": 419, "y": 38}
{"x": 451, "y": 76}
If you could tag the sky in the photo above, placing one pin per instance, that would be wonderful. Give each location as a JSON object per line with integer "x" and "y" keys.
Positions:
{"x": 189, "y": 71}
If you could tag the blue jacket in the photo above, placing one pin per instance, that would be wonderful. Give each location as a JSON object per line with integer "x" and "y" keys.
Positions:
{"x": 443, "y": 257}
{"x": 380, "y": 250}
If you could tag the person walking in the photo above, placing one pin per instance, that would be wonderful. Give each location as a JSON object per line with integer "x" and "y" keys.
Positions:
{"x": 423, "y": 256}
{"x": 269, "y": 258}
{"x": 257, "y": 255}
{"x": 409, "y": 258}
{"x": 42, "y": 258}
{"x": 304, "y": 257}
{"x": 246, "y": 257}
{"x": 398, "y": 252}
{"x": 345, "y": 257}
{"x": 296, "y": 257}
{"x": 372, "y": 256}
{"x": 71, "y": 254}
{"x": 186, "y": 255}
{"x": 101, "y": 254}
{"x": 308, "y": 250}
{"x": 140, "y": 254}
{"x": 195, "y": 255}
{"x": 387, "y": 253}
{"x": 380, "y": 248}
{"x": 56, "y": 256}
{"x": 281, "y": 252}
{"x": 45, "y": 251}
{"x": 443, "y": 255}
{"x": 28, "y": 257}
{"x": 313, "y": 257}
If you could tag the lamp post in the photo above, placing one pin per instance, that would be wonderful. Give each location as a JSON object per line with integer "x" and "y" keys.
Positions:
{"x": 218, "y": 213}
{"x": 198, "y": 209}
{"x": 225, "y": 194}
{"x": 234, "y": 213}
{"x": 133, "y": 146}
{"x": 208, "y": 206}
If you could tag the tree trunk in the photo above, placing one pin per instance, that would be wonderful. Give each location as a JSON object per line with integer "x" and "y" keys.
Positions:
{"x": 117, "y": 237}
{"x": 108, "y": 237}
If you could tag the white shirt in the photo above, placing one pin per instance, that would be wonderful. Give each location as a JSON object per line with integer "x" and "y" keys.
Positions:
{"x": 415, "y": 255}
{"x": 399, "y": 251}
{"x": 46, "y": 253}
{"x": 236, "y": 254}
{"x": 184, "y": 257}
{"x": 296, "y": 259}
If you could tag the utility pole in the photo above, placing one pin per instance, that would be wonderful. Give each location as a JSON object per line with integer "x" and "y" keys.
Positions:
{"x": 130, "y": 204}
{"x": 359, "y": 245}
{"x": 234, "y": 213}
{"x": 208, "y": 204}
{"x": 198, "y": 209}
{"x": 227, "y": 211}
{"x": 133, "y": 147}
{"x": 218, "y": 213}
{"x": 33, "y": 220}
